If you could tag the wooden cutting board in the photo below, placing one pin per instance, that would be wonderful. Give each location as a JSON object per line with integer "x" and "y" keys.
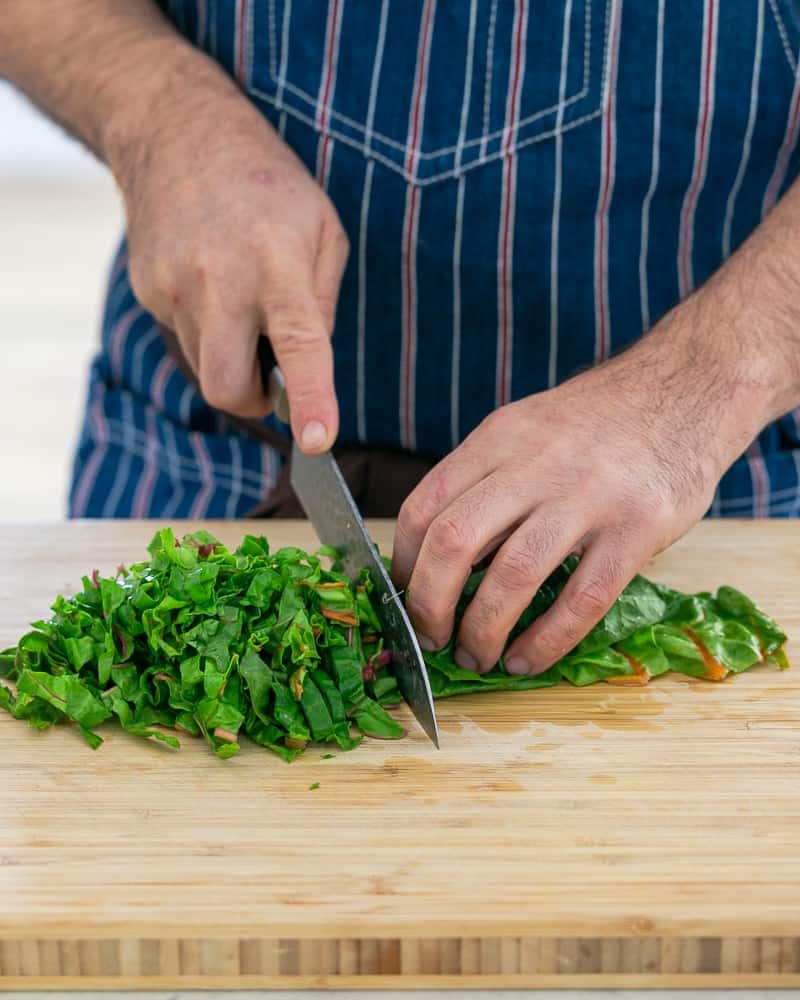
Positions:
{"x": 594, "y": 837}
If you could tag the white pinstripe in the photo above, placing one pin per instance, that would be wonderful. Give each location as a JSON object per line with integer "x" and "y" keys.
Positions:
{"x": 705, "y": 118}
{"x": 508, "y": 199}
{"x": 376, "y": 72}
{"x": 796, "y": 506}
{"x": 363, "y": 232}
{"x": 204, "y": 497}
{"x": 455, "y": 360}
{"x": 185, "y": 405}
{"x": 143, "y": 495}
{"x": 123, "y": 470}
{"x": 487, "y": 83}
{"x": 408, "y": 360}
{"x": 655, "y": 167}
{"x": 88, "y": 476}
{"x": 119, "y": 338}
{"x": 552, "y": 367}
{"x": 361, "y": 333}
{"x": 137, "y": 361}
{"x": 327, "y": 88}
{"x": 748, "y": 136}
{"x": 759, "y": 474}
{"x": 179, "y": 490}
{"x": 236, "y": 486}
{"x": 787, "y": 148}
{"x": 608, "y": 144}
{"x": 287, "y": 20}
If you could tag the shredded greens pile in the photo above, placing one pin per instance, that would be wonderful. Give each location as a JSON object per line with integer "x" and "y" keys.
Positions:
{"x": 277, "y": 647}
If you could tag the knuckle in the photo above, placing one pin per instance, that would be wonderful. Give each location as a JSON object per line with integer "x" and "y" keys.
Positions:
{"x": 220, "y": 388}
{"x": 591, "y": 600}
{"x": 555, "y": 641}
{"x": 422, "y": 607}
{"x": 449, "y": 537}
{"x": 293, "y": 325}
{"x": 413, "y": 518}
{"x": 480, "y": 621}
{"x": 513, "y": 569}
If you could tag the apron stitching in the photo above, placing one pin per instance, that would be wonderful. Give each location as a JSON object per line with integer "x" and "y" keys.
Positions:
{"x": 487, "y": 82}
{"x": 425, "y": 181}
{"x": 285, "y": 84}
{"x": 781, "y": 26}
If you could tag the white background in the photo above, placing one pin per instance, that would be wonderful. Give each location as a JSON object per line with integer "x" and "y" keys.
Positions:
{"x": 59, "y": 221}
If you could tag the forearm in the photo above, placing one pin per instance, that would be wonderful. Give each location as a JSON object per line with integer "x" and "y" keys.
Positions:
{"x": 751, "y": 310}
{"x": 107, "y": 71}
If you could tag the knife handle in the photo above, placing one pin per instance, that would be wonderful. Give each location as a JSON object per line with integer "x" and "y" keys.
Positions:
{"x": 273, "y": 380}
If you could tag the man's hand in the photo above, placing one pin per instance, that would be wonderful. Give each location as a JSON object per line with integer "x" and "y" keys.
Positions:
{"x": 613, "y": 465}
{"x": 230, "y": 237}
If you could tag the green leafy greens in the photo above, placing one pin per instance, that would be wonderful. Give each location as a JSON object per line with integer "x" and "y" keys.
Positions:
{"x": 275, "y": 646}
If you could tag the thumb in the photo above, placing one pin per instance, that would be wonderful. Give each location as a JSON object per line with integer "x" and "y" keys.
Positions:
{"x": 299, "y": 336}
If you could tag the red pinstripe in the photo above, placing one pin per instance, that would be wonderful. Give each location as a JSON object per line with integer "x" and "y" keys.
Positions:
{"x": 326, "y": 88}
{"x": 203, "y": 498}
{"x": 410, "y": 224}
{"x": 787, "y": 147}
{"x": 161, "y": 377}
{"x": 508, "y": 199}
{"x": 241, "y": 20}
{"x": 119, "y": 338}
{"x": 760, "y": 479}
{"x": 88, "y": 476}
{"x": 685, "y": 270}
{"x": 144, "y": 490}
{"x": 608, "y": 166}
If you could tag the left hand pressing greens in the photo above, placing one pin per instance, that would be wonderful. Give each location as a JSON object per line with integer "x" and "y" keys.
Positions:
{"x": 272, "y": 645}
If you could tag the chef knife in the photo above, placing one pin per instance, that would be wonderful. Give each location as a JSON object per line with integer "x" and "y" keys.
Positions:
{"x": 329, "y": 504}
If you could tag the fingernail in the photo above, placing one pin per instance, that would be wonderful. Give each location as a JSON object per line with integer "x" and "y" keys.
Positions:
{"x": 516, "y": 665}
{"x": 313, "y": 436}
{"x": 426, "y": 643}
{"x": 465, "y": 660}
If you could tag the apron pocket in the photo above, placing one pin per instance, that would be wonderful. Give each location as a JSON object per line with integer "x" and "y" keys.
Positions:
{"x": 428, "y": 89}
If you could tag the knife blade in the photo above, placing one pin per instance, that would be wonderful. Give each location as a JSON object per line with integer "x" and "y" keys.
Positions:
{"x": 329, "y": 504}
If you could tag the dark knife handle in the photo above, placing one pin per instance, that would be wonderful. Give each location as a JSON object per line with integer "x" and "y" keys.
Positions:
{"x": 266, "y": 361}
{"x": 272, "y": 379}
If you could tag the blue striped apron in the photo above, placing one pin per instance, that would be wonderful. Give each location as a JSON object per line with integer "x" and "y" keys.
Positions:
{"x": 527, "y": 187}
